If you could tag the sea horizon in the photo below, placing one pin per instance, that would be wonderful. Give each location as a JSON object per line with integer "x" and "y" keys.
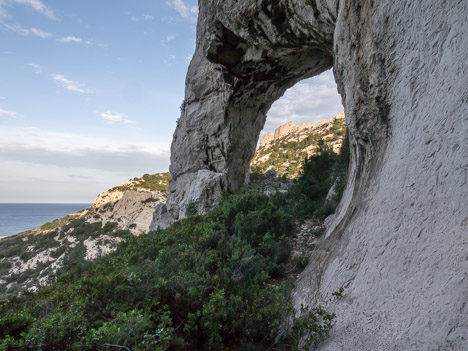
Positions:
{"x": 17, "y": 217}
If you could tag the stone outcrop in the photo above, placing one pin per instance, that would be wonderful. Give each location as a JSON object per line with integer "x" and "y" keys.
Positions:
{"x": 284, "y": 130}
{"x": 267, "y": 139}
{"x": 130, "y": 209}
{"x": 398, "y": 244}
{"x": 248, "y": 54}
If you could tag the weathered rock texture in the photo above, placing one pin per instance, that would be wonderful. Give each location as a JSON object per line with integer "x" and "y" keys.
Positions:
{"x": 131, "y": 209}
{"x": 399, "y": 243}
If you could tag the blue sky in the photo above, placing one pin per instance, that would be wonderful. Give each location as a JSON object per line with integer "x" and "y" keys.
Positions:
{"x": 90, "y": 94}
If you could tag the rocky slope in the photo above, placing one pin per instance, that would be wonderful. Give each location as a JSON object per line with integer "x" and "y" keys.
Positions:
{"x": 27, "y": 260}
{"x": 286, "y": 149}
{"x": 398, "y": 244}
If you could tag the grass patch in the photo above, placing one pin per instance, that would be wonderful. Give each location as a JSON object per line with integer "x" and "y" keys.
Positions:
{"x": 151, "y": 182}
{"x": 58, "y": 222}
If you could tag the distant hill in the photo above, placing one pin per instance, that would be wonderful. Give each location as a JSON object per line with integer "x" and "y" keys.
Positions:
{"x": 286, "y": 149}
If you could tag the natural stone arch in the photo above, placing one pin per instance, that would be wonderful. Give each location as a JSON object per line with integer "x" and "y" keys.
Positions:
{"x": 398, "y": 245}
{"x": 247, "y": 56}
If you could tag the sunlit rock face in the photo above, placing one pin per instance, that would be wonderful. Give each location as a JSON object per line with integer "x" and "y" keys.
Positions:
{"x": 399, "y": 242}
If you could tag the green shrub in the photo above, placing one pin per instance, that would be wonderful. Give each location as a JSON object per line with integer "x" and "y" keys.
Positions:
{"x": 308, "y": 328}
{"x": 204, "y": 283}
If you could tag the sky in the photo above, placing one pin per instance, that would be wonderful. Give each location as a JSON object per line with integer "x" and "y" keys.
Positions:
{"x": 90, "y": 94}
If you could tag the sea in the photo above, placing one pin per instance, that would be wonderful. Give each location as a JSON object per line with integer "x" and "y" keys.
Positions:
{"x": 16, "y": 218}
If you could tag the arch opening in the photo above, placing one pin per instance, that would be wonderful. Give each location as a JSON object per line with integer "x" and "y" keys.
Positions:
{"x": 308, "y": 113}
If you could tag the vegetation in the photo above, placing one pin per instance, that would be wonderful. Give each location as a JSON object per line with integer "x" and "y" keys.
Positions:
{"x": 319, "y": 173}
{"x": 59, "y": 222}
{"x": 206, "y": 283}
{"x": 151, "y": 182}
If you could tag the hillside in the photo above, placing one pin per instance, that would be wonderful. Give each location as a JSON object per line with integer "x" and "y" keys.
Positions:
{"x": 215, "y": 282}
{"x": 28, "y": 259}
{"x": 286, "y": 149}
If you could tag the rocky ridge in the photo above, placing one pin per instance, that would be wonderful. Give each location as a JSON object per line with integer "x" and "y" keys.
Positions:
{"x": 130, "y": 205}
{"x": 286, "y": 149}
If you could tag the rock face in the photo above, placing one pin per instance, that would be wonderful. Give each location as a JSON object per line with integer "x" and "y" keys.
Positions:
{"x": 284, "y": 130}
{"x": 130, "y": 209}
{"x": 398, "y": 244}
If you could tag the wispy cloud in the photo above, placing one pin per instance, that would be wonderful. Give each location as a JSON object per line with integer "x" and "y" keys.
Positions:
{"x": 7, "y": 114}
{"x": 37, "y": 5}
{"x": 72, "y": 39}
{"x": 113, "y": 117}
{"x": 68, "y": 150}
{"x": 40, "y": 33}
{"x": 310, "y": 100}
{"x": 142, "y": 18}
{"x": 37, "y": 68}
{"x": 70, "y": 85}
{"x": 122, "y": 159}
{"x": 27, "y": 32}
{"x": 17, "y": 29}
{"x": 169, "y": 59}
{"x": 187, "y": 11}
{"x": 167, "y": 39}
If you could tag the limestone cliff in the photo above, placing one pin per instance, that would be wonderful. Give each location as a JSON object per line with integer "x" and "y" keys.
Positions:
{"x": 286, "y": 149}
{"x": 130, "y": 205}
{"x": 398, "y": 244}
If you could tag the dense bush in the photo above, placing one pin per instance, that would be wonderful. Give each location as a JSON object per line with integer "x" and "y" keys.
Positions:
{"x": 319, "y": 173}
{"x": 205, "y": 283}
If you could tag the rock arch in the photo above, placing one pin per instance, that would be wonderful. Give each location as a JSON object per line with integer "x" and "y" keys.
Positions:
{"x": 247, "y": 55}
{"x": 398, "y": 244}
